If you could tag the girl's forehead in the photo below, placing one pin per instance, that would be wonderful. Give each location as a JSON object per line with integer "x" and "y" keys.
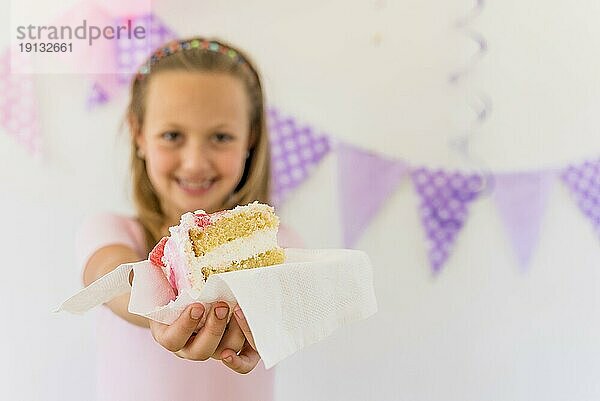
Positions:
{"x": 196, "y": 95}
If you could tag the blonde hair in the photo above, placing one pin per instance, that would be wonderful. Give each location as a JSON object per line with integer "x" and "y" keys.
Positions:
{"x": 255, "y": 182}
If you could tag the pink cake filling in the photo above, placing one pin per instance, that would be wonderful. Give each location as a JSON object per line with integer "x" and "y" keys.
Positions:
{"x": 156, "y": 258}
{"x": 204, "y": 220}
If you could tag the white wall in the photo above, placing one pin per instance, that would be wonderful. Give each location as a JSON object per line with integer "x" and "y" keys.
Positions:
{"x": 479, "y": 331}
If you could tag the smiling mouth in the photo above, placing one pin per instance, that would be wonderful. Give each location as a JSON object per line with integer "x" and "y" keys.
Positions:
{"x": 195, "y": 187}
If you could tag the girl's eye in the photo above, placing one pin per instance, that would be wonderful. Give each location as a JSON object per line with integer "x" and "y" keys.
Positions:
{"x": 171, "y": 136}
{"x": 221, "y": 137}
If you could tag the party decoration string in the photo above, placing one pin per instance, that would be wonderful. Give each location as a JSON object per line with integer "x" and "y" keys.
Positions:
{"x": 481, "y": 103}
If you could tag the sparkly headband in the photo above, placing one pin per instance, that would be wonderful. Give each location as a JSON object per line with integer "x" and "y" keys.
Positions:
{"x": 180, "y": 45}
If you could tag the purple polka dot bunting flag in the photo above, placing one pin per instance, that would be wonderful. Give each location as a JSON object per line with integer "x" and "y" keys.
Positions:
{"x": 366, "y": 181}
{"x": 295, "y": 151}
{"x": 97, "y": 96}
{"x": 584, "y": 182}
{"x": 131, "y": 53}
{"x": 444, "y": 208}
{"x": 18, "y": 106}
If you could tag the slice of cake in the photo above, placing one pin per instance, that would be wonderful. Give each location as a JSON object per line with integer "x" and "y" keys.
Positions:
{"x": 203, "y": 244}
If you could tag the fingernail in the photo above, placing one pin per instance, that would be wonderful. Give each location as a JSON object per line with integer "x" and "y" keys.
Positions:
{"x": 221, "y": 312}
{"x": 228, "y": 359}
{"x": 197, "y": 312}
{"x": 239, "y": 313}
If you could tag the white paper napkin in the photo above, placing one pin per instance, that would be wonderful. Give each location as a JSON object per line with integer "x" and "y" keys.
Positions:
{"x": 287, "y": 306}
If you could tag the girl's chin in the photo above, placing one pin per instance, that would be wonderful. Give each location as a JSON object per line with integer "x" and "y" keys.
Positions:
{"x": 208, "y": 200}
{"x": 208, "y": 205}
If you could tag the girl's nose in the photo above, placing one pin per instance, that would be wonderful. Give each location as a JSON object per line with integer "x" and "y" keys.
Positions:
{"x": 196, "y": 160}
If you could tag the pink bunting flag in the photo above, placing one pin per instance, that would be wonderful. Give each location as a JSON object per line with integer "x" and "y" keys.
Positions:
{"x": 127, "y": 55}
{"x": 295, "y": 151}
{"x": 445, "y": 199}
{"x": 521, "y": 201}
{"x": 119, "y": 8}
{"x": 366, "y": 181}
{"x": 95, "y": 57}
{"x": 18, "y": 106}
{"x": 584, "y": 182}
{"x": 98, "y": 60}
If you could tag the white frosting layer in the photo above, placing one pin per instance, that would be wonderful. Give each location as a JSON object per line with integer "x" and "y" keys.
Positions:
{"x": 234, "y": 251}
{"x": 238, "y": 249}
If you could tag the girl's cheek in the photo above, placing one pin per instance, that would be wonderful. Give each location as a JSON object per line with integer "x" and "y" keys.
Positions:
{"x": 163, "y": 160}
{"x": 233, "y": 163}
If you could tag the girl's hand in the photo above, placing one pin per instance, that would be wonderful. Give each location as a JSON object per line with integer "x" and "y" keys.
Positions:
{"x": 247, "y": 359}
{"x": 215, "y": 339}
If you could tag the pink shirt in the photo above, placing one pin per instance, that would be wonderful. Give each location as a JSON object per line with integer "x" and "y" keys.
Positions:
{"x": 132, "y": 366}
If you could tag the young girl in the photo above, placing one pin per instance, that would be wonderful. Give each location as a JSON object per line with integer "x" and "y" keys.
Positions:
{"x": 199, "y": 141}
